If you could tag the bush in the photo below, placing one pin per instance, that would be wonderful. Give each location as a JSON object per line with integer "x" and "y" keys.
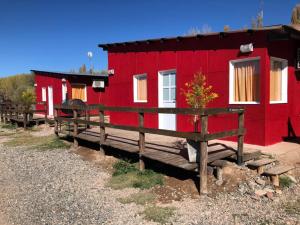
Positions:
{"x": 123, "y": 167}
{"x": 285, "y": 181}
{"x": 127, "y": 175}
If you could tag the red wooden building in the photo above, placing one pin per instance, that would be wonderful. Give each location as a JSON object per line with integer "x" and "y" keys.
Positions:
{"x": 252, "y": 68}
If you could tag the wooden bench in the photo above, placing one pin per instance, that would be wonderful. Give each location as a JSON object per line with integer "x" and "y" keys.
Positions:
{"x": 274, "y": 172}
{"x": 260, "y": 164}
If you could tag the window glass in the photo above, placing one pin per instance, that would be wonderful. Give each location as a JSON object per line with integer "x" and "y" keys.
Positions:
{"x": 173, "y": 94}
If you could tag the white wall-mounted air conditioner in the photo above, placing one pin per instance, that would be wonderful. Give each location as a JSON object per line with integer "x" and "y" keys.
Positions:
{"x": 246, "y": 48}
{"x": 98, "y": 84}
{"x": 111, "y": 72}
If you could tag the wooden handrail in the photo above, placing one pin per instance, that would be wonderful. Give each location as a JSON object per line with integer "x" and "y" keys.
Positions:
{"x": 186, "y": 111}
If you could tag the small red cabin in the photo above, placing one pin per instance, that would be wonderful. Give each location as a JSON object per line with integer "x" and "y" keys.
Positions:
{"x": 253, "y": 68}
{"x": 56, "y": 87}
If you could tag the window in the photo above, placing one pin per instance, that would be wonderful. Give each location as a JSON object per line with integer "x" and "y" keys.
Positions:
{"x": 140, "y": 88}
{"x": 43, "y": 94}
{"x": 278, "y": 80}
{"x": 244, "y": 81}
{"x": 64, "y": 92}
{"x": 169, "y": 87}
{"x": 79, "y": 92}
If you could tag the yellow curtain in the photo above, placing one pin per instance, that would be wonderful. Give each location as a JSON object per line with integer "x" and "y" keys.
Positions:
{"x": 142, "y": 89}
{"x": 78, "y": 92}
{"x": 246, "y": 81}
{"x": 276, "y": 81}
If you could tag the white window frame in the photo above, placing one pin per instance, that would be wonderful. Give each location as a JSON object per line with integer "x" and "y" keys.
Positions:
{"x": 85, "y": 91}
{"x": 44, "y": 94}
{"x": 231, "y": 79}
{"x": 135, "y": 78}
{"x": 64, "y": 90}
{"x": 284, "y": 81}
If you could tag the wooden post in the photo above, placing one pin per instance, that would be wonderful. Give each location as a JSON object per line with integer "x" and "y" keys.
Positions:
{"x": 102, "y": 132}
{"x": 203, "y": 156}
{"x": 46, "y": 113}
{"x": 141, "y": 142}
{"x": 55, "y": 122}
{"x": 25, "y": 120}
{"x": 1, "y": 113}
{"x": 75, "y": 131}
{"x": 4, "y": 114}
{"x": 10, "y": 112}
{"x": 240, "y": 139}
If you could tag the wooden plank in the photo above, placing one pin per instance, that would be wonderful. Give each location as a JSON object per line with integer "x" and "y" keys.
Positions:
{"x": 278, "y": 170}
{"x": 207, "y": 111}
{"x": 224, "y": 134}
{"x": 261, "y": 162}
{"x": 220, "y": 155}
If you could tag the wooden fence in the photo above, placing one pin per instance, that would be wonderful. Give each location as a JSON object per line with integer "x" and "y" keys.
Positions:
{"x": 21, "y": 114}
{"x": 202, "y": 137}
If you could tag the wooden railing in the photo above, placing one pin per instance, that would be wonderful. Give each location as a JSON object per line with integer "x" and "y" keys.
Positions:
{"x": 9, "y": 111}
{"x": 203, "y": 137}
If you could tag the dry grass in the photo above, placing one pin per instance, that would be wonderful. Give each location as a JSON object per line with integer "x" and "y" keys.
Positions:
{"x": 27, "y": 140}
{"x": 158, "y": 214}
{"x": 138, "y": 198}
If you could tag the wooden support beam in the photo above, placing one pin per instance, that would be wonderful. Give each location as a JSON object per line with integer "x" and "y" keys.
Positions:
{"x": 55, "y": 122}
{"x": 203, "y": 157}
{"x": 102, "y": 132}
{"x": 241, "y": 119}
{"x": 75, "y": 115}
{"x": 141, "y": 142}
{"x": 25, "y": 120}
{"x": 46, "y": 113}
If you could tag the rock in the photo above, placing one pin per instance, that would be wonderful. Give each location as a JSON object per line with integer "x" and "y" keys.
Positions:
{"x": 268, "y": 190}
{"x": 270, "y": 195}
{"x": 260, "y": 193}
{"x": 278, "y": 191}
{"x": 251, "y": 185}
{"x": 219, "y": 182}
{"x": 260, "y": 181}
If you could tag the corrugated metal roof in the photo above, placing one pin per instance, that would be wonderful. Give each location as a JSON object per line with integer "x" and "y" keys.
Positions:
{"x": 69, "y": 73}
{"x": 265, "y": 28}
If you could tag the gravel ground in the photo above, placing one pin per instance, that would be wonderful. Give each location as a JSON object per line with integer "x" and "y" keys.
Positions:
{"x": 59, "y": 187}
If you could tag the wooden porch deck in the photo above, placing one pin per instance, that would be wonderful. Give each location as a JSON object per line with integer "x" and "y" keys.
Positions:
{"x": 165, "y": 149}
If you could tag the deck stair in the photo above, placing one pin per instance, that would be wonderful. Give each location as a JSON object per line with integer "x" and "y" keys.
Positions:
{"x": 261, "y": 164}
{"x": 275, "y": 171}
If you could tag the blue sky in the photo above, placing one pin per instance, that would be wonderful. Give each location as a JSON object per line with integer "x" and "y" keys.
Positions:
{"x": 56, "y": 35}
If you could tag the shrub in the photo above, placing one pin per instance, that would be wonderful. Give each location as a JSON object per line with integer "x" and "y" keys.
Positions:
{"x": 123, "y": 167}
{"x": 285, "y": 181}
{"x": 127, "y": 175}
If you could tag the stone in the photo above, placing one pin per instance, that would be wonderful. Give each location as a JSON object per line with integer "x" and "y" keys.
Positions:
{"x": 260, "y": 193}
{"x": 278, "y": 191}
{"x": 219, "y": 182}
{"x": 260, "y": 181}
{"x": 270, "y": 195}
